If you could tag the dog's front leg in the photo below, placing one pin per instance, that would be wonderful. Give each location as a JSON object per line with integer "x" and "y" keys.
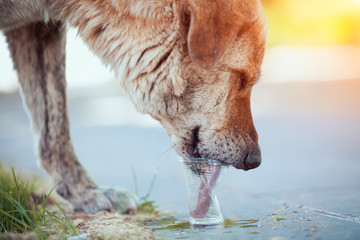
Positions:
{"x": 38, "y": 52}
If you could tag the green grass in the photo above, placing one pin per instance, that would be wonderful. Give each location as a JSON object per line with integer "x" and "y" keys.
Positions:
{"x": 145, "y": 205}
{"x": 20, "y": 214}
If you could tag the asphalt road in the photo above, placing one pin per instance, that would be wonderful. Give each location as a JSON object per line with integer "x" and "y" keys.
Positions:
{"x": 308, "y": 186}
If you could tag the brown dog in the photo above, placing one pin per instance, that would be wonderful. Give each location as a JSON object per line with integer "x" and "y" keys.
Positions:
{"x": 190, "y": 64}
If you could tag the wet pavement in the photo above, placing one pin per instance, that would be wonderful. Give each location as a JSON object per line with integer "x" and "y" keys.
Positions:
{"x": 308, "y": 186}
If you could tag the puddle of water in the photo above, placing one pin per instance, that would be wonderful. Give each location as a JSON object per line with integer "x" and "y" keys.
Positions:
{"x": 178, "y": 227}
{"x": 170, "y": 223}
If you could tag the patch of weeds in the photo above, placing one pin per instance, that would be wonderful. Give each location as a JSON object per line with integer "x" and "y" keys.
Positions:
{"x": 20, "y": 214}
{"x": 145, "y": 204}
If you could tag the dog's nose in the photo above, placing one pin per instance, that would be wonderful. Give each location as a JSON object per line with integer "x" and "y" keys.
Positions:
{"x": 253, "y": 160}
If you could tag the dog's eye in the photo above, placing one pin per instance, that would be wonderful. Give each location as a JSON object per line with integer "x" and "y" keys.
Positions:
{"x": 241, "y": 81}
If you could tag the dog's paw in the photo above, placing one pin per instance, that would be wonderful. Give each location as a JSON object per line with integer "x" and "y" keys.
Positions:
{"x": 102, "y": 199}
{"x": 121, "y": 199}
{"x": 90, "y": 200}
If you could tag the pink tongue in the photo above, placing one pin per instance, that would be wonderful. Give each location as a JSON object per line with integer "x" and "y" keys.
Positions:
{"x": 204, "y": 198}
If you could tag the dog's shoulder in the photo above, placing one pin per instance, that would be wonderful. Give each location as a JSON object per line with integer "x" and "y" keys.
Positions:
{"x": 18, "y": 13}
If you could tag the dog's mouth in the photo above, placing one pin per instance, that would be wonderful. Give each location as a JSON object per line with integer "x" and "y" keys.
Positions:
{"x": 194, "y": 152}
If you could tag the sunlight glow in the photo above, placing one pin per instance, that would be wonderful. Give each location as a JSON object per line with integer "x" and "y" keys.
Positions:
{"x": 313, "y": 22}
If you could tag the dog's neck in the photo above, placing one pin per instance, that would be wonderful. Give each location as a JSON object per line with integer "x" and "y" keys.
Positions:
{"x": 115, "y": 30}
{"x": 136, "y": 38}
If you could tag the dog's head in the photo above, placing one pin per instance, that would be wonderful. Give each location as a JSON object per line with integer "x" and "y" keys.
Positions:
{"x": 203, "y": 99}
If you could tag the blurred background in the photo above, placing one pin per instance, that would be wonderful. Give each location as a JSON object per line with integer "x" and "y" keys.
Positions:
{"x": 306, "y": 109}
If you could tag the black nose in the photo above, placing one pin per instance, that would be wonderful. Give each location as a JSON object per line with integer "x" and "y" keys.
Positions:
{"x": 253, "y": 160}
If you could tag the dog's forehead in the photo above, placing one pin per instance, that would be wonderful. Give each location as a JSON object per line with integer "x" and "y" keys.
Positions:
{"x": 248, "y": 47}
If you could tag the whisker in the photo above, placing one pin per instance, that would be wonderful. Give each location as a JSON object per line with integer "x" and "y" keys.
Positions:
{"x": 172, "y": 146}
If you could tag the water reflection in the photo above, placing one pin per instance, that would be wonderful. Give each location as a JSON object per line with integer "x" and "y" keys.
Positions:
{"x": 171, "y": 223}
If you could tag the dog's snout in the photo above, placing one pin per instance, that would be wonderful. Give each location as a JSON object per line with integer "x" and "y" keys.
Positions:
{"x": 252, "y": 161}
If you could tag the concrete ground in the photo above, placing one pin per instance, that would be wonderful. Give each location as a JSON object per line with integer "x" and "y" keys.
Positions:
{"x": 308, "y": 186}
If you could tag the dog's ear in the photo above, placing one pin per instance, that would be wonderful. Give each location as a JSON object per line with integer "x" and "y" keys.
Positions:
{"x": 212, "y": 27}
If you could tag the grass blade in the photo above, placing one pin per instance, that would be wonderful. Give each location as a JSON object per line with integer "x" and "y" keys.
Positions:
{"x": 47, "y": 197}
{"x": 135, "y": 180}
{"x": 151, "y": 186}
{"x": 16, "y": 183}
{"x": 51, "y": 214}
{"x": 68, "y": 222}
